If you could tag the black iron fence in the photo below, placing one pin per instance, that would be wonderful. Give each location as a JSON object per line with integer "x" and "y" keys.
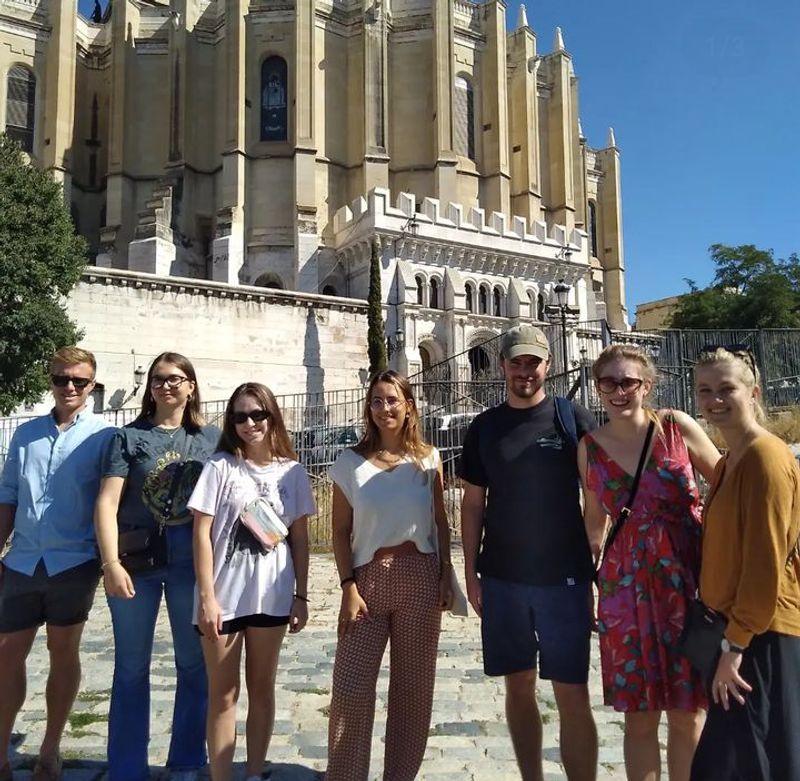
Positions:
{"x": 450, "y": 394}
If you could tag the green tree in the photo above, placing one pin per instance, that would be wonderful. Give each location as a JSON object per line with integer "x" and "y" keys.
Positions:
{"x": 41, "y": 259}
{"x": 750, "y": 290}
{"x": 376, "y": 335}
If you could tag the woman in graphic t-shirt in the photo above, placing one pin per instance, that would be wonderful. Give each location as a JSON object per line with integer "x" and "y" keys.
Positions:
{"x": 251, "y": 506}
{"x": 151, "y": 468}
{"x": 389, "y": 522}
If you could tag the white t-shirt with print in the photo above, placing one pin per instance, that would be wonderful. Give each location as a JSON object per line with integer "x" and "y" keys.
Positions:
{"x": 247, "y": 579}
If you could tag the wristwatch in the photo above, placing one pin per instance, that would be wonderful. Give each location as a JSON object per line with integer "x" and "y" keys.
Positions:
{"x": 730, "y": 648}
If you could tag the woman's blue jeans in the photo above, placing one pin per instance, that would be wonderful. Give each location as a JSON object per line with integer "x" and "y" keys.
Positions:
{"x": 134, "y": 622}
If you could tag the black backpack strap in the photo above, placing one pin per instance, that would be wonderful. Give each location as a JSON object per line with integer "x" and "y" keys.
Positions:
{"x": 565, "y": 419}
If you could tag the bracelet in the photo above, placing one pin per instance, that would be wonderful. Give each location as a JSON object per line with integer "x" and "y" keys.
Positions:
{"x": 345, "y": 581}
{"x": 108, "y": 564}
{"x": 301, "y": 598}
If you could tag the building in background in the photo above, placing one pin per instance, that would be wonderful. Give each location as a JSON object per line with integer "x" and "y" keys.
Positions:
{"x": 270, "y": 144}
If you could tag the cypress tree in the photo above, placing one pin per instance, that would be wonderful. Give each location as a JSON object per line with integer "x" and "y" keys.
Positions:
{"x": 376, "y": 335}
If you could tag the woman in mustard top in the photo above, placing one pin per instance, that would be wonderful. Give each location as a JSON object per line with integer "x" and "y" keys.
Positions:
{"x": 750, "y": 573}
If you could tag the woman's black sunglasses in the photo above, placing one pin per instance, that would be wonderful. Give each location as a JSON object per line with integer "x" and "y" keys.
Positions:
{"x": 256, "y": 415}
{"x": 739, "y": 350}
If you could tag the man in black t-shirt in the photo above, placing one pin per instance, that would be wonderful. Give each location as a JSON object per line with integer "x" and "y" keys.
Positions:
{"x": 527, "y": 559}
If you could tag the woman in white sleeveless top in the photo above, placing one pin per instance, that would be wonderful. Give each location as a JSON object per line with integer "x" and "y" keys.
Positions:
{"x": 389, "y": 522}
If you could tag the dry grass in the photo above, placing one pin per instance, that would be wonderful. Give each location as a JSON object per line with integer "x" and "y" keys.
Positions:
{"x": 784, "y": 424}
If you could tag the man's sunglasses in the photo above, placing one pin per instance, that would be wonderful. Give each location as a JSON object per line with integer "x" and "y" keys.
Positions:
{"x": 62, "y": 380}
{"x": 739, "y": 350}
{"x": 610, "y": 385}
{"x": 256, "y": 415}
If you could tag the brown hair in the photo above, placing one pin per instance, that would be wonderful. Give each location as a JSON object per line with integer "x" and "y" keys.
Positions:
{"x": 745, "y": 364}
{"x": 280, "y": 446}
{"x": 192, "y": 417}
{"x": 412, "y": 442}
{"x": 629, "y": 352}
{"x": 69, "y": 356}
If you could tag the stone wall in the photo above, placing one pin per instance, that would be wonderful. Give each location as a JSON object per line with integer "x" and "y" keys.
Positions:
{"x": 292, "y": 342}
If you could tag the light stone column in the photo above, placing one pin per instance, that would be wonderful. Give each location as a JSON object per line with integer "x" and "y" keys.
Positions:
{"x": 376, "y": 161}
{"x": 495, "y": 163}
{"x": 445, "y": 176}
{"x": 60, "y": 93}
{"x": 561, "y": 135}
{"x": 306, "y": 230}
{"x": 229, "y": 241}
{"x": 610, "y": 238}
{"x": 523, "y": 109}
{"x": 120, "y": 193}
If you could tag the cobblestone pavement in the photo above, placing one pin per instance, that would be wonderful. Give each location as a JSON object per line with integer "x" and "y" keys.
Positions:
{"x": 468, "y": 738}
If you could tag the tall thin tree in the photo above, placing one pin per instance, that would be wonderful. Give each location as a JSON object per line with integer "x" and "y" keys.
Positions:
{"x": 376, "y": 334}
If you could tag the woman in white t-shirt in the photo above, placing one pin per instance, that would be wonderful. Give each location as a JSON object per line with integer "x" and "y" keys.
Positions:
{"x": 392, "y": 546}
{"x": 251, "y": 507}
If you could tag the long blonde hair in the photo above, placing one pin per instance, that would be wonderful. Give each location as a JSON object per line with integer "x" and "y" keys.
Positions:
{"x": 745, "y": 364}
{"x": 411, "y": 439}
{"x": 630, "y": 352}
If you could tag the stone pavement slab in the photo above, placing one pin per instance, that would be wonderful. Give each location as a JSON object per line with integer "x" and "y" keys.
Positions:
{"x": 468, "y": 737}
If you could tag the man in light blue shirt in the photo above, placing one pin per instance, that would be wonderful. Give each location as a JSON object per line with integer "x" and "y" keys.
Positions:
{"x": 49, "y": 574}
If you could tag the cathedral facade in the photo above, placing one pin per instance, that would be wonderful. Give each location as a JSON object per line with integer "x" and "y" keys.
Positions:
{"x": 275, "y": 143}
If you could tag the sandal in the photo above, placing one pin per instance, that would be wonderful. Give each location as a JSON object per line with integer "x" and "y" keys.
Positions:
{"x": 50, "y": 771}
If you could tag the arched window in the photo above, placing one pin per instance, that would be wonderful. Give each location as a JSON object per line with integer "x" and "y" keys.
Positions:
{"x": 329, "y": 290}
{"x": 420, "y": 289}
{"x": 483, "y": 300}
{"x": 593, "y": 227}
{"x": 433, "y": 301}
{"x": 540, "y": 307}
{"x": 464, "y": 117}
{"x": 497, "y": 302}
{"x": 270, "y": 280}
{"x": 274, "y": 98}
{"x": 20, "y": 106}
{"x": 470, "y": 295}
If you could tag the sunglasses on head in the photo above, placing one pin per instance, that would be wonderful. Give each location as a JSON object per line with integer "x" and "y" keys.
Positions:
{"x": 256, "y": 415}
{"x": 741, "y": 351}
{"x": 62, "y": 380}
{"x": 610, "y": 385}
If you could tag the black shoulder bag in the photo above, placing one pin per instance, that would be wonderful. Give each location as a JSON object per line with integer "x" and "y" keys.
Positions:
{"x": 142, "y": 549}
{"x": 626, "y": 510}
{"x": 703, "y": 629}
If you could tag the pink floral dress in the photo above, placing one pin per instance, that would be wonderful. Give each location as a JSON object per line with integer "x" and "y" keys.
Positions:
{"x": 648, "y": 575}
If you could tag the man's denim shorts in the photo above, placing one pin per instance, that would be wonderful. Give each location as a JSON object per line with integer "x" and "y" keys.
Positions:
{"x": 525, "y": 627}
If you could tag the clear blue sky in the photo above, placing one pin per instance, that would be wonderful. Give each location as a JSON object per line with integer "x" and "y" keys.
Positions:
{"x": 704, "y": 98}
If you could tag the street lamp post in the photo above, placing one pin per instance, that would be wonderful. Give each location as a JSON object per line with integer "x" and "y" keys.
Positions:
{"x": 562, "y": 297}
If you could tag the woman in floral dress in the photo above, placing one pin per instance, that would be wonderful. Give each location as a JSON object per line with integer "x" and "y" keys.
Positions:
{"x": 651, "y": 568}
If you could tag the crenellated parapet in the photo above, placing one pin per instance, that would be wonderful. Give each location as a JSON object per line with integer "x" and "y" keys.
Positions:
{"x": 470, "y": 240}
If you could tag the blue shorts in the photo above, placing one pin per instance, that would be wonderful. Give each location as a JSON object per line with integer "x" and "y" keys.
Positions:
{"x": 525, "y": 627}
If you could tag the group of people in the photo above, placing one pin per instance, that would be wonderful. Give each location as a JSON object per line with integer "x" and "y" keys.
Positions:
{"x": 216, "y": 522}
{"x": 533, "y": 545}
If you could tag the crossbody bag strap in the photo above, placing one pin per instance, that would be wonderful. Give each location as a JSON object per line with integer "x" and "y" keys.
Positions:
{"x": 173, "y": 487}
{"x": 626, "y": 510}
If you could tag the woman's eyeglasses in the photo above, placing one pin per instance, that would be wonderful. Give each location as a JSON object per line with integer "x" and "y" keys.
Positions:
{"x": 170, "y": 381}
{"x": 377, "y": 404}
{"x": 741, "y": 351}
{"x": 256, "y": 415}
{"x": 62, "y": 380}
{"x": 610, "y": 385}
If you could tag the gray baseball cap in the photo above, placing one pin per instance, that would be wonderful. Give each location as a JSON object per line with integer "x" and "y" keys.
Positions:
{"x": 524, "y": 340}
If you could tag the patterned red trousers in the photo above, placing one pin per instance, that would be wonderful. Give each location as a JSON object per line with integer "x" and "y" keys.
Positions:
{"x": 402, "y": 596}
